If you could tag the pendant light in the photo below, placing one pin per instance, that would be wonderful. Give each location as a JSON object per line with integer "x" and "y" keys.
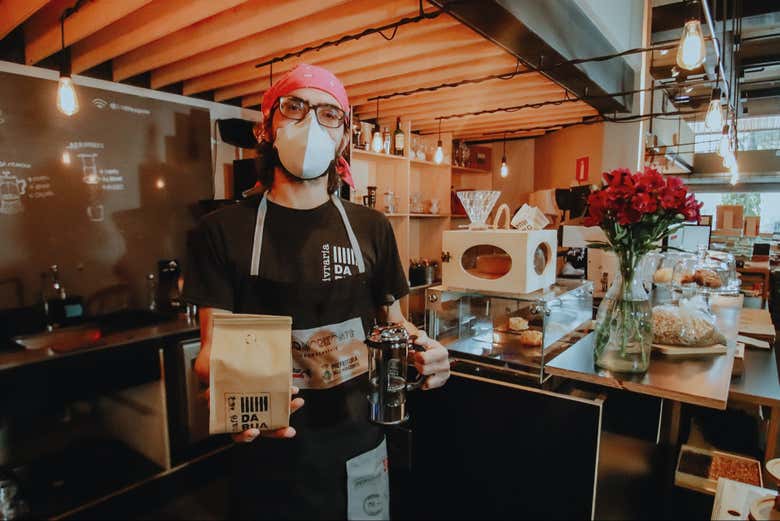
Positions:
{"x": 734, "y": 168}
{"x": 376, "y": 140}
{"x": 504, "y": 168}
{"x": 714, "y": 118}
{"x": 67, "y": 101}
{"x": 724, "y": 147}
{"x": 691, "y": 52}
{"x": 438, "y": 157}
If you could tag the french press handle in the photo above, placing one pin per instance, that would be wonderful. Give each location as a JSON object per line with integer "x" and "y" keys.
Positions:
{"x": 412, "y": 386}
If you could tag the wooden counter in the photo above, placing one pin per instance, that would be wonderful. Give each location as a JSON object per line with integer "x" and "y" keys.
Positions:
{"x": 12, "y": 358}
{"x": 698, "y": 381}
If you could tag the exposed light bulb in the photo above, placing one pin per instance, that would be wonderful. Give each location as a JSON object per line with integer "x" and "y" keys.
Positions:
{"x": 160, "y": 184}
{"x": 504, "y": 168}
{"x": 66, "y": 158}
{"x": 729, "y": 160}
{"x": 67, "y": 101}
{"x": 714, "y": 119}
{"x": 691, "y": 53}
{"x": 724, "y": 146}
{"x": 438, "y": 157}
{"x": 376, "y": 142}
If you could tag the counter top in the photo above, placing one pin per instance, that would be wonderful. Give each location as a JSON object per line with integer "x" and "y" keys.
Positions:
{"x": 17, "y": 357}
{"x": 759, "y": 383}
{"x": 699, "y": 381}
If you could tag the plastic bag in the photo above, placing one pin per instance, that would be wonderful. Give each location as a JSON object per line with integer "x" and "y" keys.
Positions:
{"x": 687, "y": 324}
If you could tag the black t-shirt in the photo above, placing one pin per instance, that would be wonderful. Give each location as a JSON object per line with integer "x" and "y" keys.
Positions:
{"x": 308, "y": 246}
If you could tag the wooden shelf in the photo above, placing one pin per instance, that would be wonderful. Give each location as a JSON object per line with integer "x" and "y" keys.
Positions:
{"x": 428, "y": 163}
{"x": 424, "y": 286}
{"x": 465, "y": 170}
{"x": 366, "y": 154}
{"x": 459, "y": 216}
{"x": 429, "y": 215}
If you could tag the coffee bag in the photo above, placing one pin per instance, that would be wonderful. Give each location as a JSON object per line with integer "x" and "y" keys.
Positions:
{"x": 250, "y": 373}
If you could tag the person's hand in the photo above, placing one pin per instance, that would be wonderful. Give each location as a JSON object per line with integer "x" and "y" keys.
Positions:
{"x": 250, "y": 434}
{"x": 433, "y": 362}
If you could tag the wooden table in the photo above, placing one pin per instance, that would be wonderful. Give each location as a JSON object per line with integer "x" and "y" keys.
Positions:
{"x": 762, "y": 269}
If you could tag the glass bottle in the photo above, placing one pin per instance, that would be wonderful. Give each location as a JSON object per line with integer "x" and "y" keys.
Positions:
{"x": 398, "y": 138}
{"x": 386, "y": 140}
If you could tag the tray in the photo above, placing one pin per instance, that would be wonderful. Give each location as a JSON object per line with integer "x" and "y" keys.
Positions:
{"x": 713, "y": 350}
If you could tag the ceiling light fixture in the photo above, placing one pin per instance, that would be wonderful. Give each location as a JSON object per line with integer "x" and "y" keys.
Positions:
{"x": 714, "y": 118}
{"x": 376, "y": 141}
{"x": 725, "y": 146}
{"x": 691, "y": 52}
{"x": 438, "y": 157}
{"x": 504, "y": 168}
{"x": 67, "y": 101}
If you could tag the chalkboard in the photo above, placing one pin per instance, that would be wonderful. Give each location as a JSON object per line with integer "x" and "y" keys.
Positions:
{"x": 104, "y": 193}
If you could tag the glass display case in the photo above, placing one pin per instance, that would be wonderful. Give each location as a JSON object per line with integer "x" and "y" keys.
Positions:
{"x": 518, "y": 332}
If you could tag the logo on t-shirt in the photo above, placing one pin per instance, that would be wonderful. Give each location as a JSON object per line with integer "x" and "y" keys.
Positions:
{"x": 338, "y": 262}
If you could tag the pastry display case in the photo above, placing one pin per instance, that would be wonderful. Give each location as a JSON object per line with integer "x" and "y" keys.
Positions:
{"x": 517, "y": 332}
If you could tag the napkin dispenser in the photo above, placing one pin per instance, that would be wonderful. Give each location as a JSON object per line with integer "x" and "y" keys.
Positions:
{"x": 486, "y": 258}
{"x": 507, "y": 261}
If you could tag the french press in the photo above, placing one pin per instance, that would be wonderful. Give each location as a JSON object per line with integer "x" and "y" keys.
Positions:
{"x": 388, "y": 361}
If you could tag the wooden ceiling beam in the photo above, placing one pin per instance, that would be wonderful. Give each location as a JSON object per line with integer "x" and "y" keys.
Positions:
{"x": 252, "y": 17}
{"x": 361, "y": 92}
{"x": 235, "y": 63}
{"x": 489, "y": 119}
{"x": 43, "y": 34}
{"x": 464, "y": 102}
{"x": 14, "y": 12}
{"x": 151, "y": 22}
{"x": 413, "y": 57}
{"x": 507, "y": 124}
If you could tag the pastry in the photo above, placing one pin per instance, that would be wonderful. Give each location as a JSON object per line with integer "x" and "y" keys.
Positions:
{"x": 494, "y": 264}
{"x": 707, "y": 278}
{"x": 687, "y": 278}
{"x": 663, "y": 276}
{"x": 531, "y": 338}
{"x": 518, "y": 324}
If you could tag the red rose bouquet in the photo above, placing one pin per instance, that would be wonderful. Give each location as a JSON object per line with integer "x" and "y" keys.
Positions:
{"x": 635, "y": 211}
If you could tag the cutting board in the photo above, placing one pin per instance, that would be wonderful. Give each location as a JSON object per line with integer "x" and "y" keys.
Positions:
{"x": 757, "y": 323}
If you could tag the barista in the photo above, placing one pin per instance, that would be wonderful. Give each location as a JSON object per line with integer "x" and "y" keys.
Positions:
{"x": 299, "y": 250}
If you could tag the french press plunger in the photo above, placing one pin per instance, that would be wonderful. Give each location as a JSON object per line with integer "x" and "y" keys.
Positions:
{"x": 388, "y": 360}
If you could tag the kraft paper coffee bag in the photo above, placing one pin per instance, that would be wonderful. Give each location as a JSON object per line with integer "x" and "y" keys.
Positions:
{"x": 250, "y": 373}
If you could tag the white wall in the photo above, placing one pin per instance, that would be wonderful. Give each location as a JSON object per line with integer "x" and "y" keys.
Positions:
{"x": 620, "y": 21}
{"x": 222, "y": 154}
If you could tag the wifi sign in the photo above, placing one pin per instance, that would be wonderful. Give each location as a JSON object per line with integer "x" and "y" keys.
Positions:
{"x": 99, "y": 103}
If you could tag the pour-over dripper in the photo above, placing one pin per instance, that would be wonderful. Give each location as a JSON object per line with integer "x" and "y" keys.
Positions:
{"x": 478, "y": 204}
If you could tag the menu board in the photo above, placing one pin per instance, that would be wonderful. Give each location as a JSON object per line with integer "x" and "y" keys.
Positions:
{"x": 104, "y": 194}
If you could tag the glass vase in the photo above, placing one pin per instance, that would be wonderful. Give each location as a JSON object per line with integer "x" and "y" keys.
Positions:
{"x": 624, "y": 326}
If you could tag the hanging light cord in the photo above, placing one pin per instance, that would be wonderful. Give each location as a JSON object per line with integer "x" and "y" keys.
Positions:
{"x": 569, "y": 99}
{"x": 518, "y": 72}
{"x": 351, "y": 37}
{"x": 600, "y": 119}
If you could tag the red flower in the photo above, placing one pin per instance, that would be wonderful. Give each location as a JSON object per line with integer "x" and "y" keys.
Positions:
{"x": 628, "y": 216}
{"x": 692, "y": 209}
{"x": 645, "y": 203}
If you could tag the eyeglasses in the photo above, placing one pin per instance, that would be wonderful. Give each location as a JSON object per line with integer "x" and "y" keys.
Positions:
{"x": 296, "y": 108}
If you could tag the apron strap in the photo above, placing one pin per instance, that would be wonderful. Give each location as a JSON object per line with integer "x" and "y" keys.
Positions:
{"x": 257, "y": 243}
{"x": 350, "y": 233}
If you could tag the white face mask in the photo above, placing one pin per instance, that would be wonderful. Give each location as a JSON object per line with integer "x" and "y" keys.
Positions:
{"x": 305, "y": 149}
